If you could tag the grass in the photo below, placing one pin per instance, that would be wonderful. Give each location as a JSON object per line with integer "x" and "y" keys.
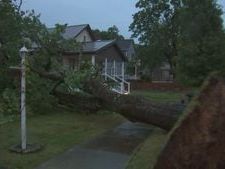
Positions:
{"x": 159, "y": 96}
{"x": 57, "y": 132}
{"x": 146, "y": 154}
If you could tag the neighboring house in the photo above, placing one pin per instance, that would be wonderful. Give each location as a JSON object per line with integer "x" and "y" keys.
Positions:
{"x": 106, "y": 54}
{"x": 128, "y": 48}
{"x": 162, "y": 74}
{"x": 82, "y": 33}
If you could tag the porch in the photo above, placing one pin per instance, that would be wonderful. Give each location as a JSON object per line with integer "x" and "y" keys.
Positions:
{"x": 114, "y": 71}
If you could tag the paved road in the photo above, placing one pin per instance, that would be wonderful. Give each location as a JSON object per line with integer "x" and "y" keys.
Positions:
{"x": 108, "y": 151}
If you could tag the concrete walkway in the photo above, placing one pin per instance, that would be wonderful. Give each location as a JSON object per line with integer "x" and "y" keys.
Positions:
{"x": 108, "y": 151}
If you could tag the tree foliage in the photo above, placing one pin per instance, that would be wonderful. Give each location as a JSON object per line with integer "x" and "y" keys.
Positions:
{"x": 16, "y": 29}
{"x": 111, "y": 33}
{"x": 155, "y": 27}
{"x": 201, "y": 41}
{"x": 186, "y": 34}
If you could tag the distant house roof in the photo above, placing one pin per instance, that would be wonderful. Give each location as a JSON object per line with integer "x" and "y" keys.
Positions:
{"x": 97, "y": 46}
{"x": 124, "y": 45}
{"x": 73, "y": 31}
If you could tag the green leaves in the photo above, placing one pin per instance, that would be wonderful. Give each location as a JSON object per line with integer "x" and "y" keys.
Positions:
{"x": 39, "y": 98}
{"x": 156, "y": 28}
{"x": 186, "y": 34}
{"x": 201, "y": 41}
{"x": 9, "y": 102}
{"x": 74, "y": 79}
{"x": 111, "y": 33}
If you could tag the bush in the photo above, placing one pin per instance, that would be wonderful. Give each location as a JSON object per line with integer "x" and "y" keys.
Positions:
{"x": 39, "y": 99}
{"x": 9, "y": 103}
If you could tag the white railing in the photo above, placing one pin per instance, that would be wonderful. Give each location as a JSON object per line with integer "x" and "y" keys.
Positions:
{"x": 120, "y": 85}
{"x": 126, "y": 85}
{"x": 115, "y": 71}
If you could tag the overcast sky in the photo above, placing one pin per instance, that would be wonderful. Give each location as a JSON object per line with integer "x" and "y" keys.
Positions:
{"x": 99, "y": 14}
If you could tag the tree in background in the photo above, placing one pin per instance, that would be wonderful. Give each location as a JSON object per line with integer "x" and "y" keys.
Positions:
{"x": 10, "y": 38}
{"x": 187, "y": 34}
{"x": 16, "y": 29}
{"x": 111, "y": 33}
{"x": 155, "y": 27}
{"x": 201, "y": 41}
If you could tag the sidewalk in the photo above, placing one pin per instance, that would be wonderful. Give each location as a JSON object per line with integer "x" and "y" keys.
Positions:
{"x": 108, "y": 151}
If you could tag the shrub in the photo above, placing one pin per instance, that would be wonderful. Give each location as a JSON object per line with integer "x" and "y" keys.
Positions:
{"x": 39, "y": 99}
{"x": 9, "y": 103}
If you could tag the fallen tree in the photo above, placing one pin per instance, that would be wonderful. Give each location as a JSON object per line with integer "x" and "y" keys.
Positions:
{"x": 196, "y": 140}
{"x": 137, "y": 109}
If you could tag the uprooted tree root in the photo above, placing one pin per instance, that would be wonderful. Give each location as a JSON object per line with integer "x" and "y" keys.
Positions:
{"x": 198, "y": 139}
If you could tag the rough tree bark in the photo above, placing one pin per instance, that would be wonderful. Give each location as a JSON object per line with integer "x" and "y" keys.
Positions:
{"x": 135, "y": 108}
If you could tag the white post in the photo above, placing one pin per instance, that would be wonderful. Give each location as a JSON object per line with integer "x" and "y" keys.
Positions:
{"x": 114, "y": 68}
{"x": 106, "y": 68}
{"x": 121, "y": 88}
{"x": 23, "y": 52}
{"x": 129, "y": 88}
{"x": 123, "y": 71}
{"x": 93, "y": 60}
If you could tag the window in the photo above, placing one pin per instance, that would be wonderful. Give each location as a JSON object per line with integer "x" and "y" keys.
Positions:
{"x": 84, "y": 40}
{"x": 73, "y": 64}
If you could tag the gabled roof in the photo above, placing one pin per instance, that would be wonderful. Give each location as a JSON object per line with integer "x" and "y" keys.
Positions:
{"x": 73, "y": 31}
{"x": 124, "y": 45}
{"x": 97, "y": 46}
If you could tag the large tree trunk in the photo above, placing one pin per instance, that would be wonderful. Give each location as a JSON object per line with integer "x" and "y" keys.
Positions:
{"x": 136, "y": 108}
{"x": 131, "y": 107}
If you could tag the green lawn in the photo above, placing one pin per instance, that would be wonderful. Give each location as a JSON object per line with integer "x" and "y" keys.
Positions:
{"x": 146, "y": 154}
{"x": 57, "y": 132}
{"x": 159, "y": 96}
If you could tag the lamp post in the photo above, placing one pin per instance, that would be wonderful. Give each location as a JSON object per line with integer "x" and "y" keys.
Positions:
{"x": 23, "y": 52}
{"x": 23, "y": 147}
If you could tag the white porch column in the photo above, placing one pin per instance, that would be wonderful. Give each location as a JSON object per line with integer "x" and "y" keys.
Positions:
{"x": 123, "y": 70}
{"x": 114, "y": 68}
{"x": 93, "y": 60}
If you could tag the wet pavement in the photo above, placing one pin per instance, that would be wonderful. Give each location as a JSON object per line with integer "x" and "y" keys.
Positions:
{"x": 108, "y": 151}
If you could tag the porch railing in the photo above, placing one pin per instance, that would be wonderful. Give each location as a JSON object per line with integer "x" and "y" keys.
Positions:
{"x": 118, "y": 85}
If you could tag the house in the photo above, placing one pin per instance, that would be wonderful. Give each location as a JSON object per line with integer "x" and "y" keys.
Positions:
{"x": 106, "y": 54}
{"x": 82, "y": 33}
{"x": 128, "y": 48}
{"x": 162, "y": 74}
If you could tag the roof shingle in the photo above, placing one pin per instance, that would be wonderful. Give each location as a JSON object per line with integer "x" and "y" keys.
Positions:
{"x": 97, "y": 45}
{"x": 72, "y": 31}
